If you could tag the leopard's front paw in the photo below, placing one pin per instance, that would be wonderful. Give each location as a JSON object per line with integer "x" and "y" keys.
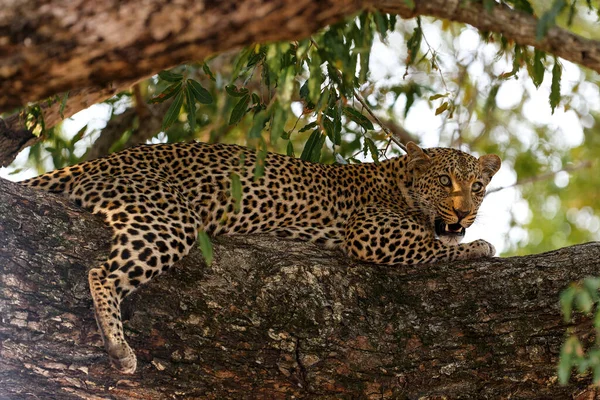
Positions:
{"x": 481, "y": 248}
{"x": 122, "y": 357}
{"x": 477, "y": 249}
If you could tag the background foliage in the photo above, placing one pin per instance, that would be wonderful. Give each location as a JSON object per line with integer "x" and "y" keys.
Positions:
{"x": 356, "y": 89}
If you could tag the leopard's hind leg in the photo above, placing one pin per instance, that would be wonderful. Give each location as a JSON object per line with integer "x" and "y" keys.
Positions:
{"x": 154, "y": 227}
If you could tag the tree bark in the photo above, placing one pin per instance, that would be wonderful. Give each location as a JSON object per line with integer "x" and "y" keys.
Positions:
{"x": 49, "y": 48}
{"x": 272, "y": 318}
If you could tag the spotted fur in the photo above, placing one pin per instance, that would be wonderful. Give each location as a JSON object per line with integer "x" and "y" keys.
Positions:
{"x": 157, "y": 198}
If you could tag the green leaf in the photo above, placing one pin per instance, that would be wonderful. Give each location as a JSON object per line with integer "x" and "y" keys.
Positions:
{"x": 336, "y": 116}
{"x": 202, "y": 95}
{"x": 16, "y": 171}
{"x": 596, "y": 374}
{"x": 208, "y": 72}
{"x": 278, "y": 123}
{"x": 441, "y": 108}
{"x": 79, "y": 135}
{"x": 597, "y": 318}
{"x": 239, "y": 110}
{"x": 412, "y": 91}
{"x": 372, "y": 149}
{"x": 566, "y": 302}
{"x": 490, "y": 102}
{"x": 173, "y": 111}
{"x": 555, "y": 87}
{"x": 241, "y": 60}
{"x": 308, "y": 126}
{"x": 257, "y": 55}
{"x": 329, "y": 130}
{"x": 438, "y": 96}
{"x": 414, "y": 43}
{"x": 392, "y": 18}
{"x": 314, "y": 80}
{"x": 538, "y": 69}
{"x": 357, "y": 117}
{"x": 236, "y": 191}
{"x": 519, "y": 57}
{"x": 548, "y": 19}
{"x": 312, "y": 148}
{"x": 63, "y": 104}
{"x": 304, "y": 91}
{"x": 205, "y": 245}
{"x": 260, "y": 119}
{"x": 261, "y": 155}
{"x": 565, "y": 364}
{"x": 592, "y": 285}
{"x": 523, "y": 5}
{"x": 170, "y": 76}
{"x": 167, "y": 93}
{"x": 286, "y": 84}
{"x": 381, "y": 24}
{"x": 233, "y": 91}
{"x": 584, "y": 301}
{"x": 191, "y": 107}
{"x": 290, "y": 149}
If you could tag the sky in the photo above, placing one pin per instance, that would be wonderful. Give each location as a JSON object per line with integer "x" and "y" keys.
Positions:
{"x": 494, "y": 215}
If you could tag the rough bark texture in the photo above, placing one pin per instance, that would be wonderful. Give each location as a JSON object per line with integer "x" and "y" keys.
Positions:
{"x": 275, "y": 319}
{"x": 49, "y": 48}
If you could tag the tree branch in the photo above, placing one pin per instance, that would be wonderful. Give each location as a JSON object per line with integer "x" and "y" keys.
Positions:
{"x": 275, "y": 318}
{"x": 14, "y": 135}
{"x": 515, "y": 25}
{"x": 116, "y": 45}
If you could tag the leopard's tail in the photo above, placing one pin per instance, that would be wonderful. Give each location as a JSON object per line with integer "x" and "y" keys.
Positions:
{"x": 59, "y": 181}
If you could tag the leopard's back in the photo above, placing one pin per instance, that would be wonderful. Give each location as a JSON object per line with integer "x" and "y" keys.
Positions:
{"x": 292, "y": 198}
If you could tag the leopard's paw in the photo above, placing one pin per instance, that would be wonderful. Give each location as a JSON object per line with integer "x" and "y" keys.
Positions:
{"x": 477, "y": 249}
{"x": 481, "y": 248}
{"x": 122, "y": 357}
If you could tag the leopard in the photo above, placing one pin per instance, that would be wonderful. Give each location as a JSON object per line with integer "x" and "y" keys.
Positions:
{"x": 157, "y": 198}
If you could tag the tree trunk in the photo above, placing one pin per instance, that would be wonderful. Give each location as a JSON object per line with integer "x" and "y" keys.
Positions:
{"x": 273, "y": 318}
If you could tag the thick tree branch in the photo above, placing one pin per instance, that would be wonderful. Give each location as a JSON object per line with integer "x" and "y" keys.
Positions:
{"x": 276, "y": 319}
{"x": 107, "y": 44}
{"x": 14, "y": 135}
{"x": 515, "y": 25}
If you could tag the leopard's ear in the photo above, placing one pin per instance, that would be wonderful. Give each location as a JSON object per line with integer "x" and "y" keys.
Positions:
{"x": 418, "y": 161}
{"x": 490, "y": 164}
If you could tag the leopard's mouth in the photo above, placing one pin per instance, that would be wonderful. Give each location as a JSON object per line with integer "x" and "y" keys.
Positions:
{"x": 444, "y": 229}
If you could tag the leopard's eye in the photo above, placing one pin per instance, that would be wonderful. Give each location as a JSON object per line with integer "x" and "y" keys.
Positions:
{"x": 445, "y": 180}
{"x": 476, "y": 187}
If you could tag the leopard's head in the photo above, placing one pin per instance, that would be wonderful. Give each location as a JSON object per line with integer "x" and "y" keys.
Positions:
{"x": 451, "y": 185}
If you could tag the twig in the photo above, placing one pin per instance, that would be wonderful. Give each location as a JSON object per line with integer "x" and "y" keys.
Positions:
{"x": 141, "y": 108}
{"x": 542, "y": 177}
{"x": 387, "y": 131}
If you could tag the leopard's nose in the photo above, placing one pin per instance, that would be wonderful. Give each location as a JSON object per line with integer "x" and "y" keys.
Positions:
{"x": 461, "y": 214}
